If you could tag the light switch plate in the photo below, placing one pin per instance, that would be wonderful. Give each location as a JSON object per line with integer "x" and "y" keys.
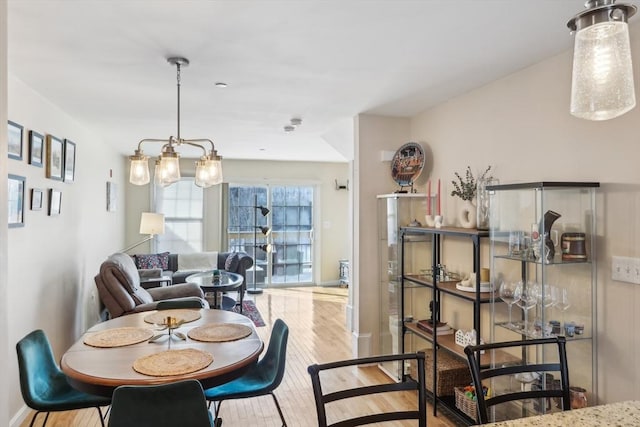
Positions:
{"x": 625, "y": 269}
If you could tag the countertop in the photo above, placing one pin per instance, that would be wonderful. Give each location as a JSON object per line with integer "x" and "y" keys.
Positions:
{"x": 619, "y": 414}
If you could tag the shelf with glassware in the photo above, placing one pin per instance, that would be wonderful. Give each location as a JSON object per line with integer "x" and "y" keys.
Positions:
{"x": 393, "y": 211}
{"x": 542, "y": 240}
{"x": 427, "y": 283}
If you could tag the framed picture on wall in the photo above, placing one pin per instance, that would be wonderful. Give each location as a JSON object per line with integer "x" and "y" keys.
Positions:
{"x": 36, "y": 199}
{"x": 16, "y": 200}
{"x": 55, "y": 201}
{"x": 69, "y": 160}
{"x": 55, "y": 159}
{"x": 14, "y": 141}
{"x": 36, "y": 148}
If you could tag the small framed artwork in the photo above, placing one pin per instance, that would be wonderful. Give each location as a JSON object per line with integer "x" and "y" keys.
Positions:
{"x": 36, "y": 199}
{"x": 15, "y": 141}
{"x": 55, "y": 201}
{"x": 36, "y": 148}
{"x": 112, "y": 196}
{"x": 69, "y": 160}
{"x": 16, "y": 200}
{"x": 55, "y": 159}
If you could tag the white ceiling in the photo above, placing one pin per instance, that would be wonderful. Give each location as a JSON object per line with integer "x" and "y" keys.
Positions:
{"x": 103, "y": 62}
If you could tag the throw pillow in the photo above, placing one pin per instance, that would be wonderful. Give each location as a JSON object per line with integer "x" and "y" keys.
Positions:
{"x": 147, "y": 261}
{"x": 232, "y": 262}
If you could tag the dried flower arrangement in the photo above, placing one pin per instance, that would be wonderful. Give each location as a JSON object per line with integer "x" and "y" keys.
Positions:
{"x": 466, "y": 188}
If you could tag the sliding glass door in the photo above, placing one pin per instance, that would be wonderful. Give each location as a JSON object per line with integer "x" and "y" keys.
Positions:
{"x": 283, "y": 255}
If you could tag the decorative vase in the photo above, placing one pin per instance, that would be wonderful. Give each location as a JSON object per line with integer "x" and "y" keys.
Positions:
{"x": 467, "y": 215}
{"x": 482, "y": 205}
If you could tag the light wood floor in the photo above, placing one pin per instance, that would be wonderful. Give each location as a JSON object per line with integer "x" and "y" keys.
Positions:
{"x": 317, "y": 334}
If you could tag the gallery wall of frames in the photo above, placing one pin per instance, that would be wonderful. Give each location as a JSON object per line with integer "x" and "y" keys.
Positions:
{"x": 56, "y": 157}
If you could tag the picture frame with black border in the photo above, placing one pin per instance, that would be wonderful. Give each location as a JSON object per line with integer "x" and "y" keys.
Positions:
{"x": 69, "y": 160}
{"x": 36, "y": 199}
{"x": 55, "y": 202}
{"x": 14, "y": 140}
{"x": 36, "y": 149}
{"x": 15, "y": 197}
{"x": 55, "y": 158}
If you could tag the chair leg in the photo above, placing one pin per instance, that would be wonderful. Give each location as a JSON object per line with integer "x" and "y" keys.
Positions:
{"x": 101, "y": 417}
{"x": 284, "y": 423}
{"x": 217, "y": 408}
{"x": 33, "y": 420}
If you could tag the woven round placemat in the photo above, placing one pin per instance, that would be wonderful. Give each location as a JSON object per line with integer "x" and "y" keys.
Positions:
{"x": 118, "y": 337}
{"x": 219, "y": 332}
{"x": 183, "y": 315}
{"x": 173, "y": 362}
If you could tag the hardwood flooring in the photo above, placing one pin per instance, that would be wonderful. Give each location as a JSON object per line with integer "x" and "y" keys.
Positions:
{"x": 317, "y": 334}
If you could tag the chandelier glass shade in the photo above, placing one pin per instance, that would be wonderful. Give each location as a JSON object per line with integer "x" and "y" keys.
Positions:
{"x": 602, "y": 84}
{"x": 167, "y": 166}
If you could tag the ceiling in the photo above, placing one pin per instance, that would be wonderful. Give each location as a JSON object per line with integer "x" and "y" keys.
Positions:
{"x": 103, "y": 62}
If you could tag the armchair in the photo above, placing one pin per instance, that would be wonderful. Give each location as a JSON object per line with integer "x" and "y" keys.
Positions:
{"x": 119, "y": 288}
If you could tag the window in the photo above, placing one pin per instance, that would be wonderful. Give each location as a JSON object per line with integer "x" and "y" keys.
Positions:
{"x": 291, "y": 222}
{"x": 183, "y": 208}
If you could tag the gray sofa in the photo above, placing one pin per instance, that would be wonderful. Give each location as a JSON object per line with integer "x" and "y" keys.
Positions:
{"x": 120, "y": 291}
{"x": 179, "y": 276}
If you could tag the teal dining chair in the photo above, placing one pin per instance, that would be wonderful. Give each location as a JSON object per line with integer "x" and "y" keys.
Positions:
{"x": 44, "y": 386}
{"x": 173, "y": 404}
{"x": 261, "y": 379}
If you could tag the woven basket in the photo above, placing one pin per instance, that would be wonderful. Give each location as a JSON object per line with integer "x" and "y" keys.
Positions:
{"x": 465, "y": 404}
{"x": 452, "y": 372}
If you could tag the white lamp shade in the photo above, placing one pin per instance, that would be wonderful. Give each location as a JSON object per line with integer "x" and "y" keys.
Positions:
{"x": 139, "y": 171}
{"x": 151, "y": 223}
{"x": 169, "y": 170}
{"x": 215, "y": 171}
{"x": 203, "y": 176}
{"x": 602, "y": 85}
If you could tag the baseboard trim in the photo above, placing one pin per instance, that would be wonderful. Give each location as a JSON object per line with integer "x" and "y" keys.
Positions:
{"x": 361, "y": 344}
{"x": 20, "y": 416}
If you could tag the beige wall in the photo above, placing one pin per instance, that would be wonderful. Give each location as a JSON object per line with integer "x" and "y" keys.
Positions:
{"x": 371, "y": 177}
{"x": 332, "y": 223}
{"x": 52, "y": 260}
{"x": 522, "y": 127}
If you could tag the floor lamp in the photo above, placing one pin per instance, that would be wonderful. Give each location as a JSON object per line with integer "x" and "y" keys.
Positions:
{"x": 266, "y": 247}
{"x": 151, "y": 224}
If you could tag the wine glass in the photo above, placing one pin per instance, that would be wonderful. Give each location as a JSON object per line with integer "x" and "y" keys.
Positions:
{"x": 562, "y": 302}
{"x": 526, "y": 299}
{"x": 507, "y": 294}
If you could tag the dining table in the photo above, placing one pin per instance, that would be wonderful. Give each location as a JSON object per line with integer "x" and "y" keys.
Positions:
{"x": 619, "y": 414}
{"x": 98, "y": 369}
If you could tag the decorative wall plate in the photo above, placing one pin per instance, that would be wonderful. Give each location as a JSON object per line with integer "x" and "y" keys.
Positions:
{"x": 407, "y": 164}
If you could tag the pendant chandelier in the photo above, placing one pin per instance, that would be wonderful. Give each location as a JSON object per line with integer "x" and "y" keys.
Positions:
{"x": 167, "y": 170}
{"x": 602, "y": 84}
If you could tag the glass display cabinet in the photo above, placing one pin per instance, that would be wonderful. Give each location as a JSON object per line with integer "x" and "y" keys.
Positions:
{"x": 393, "y": 211}
{"x": 542, "y": 238}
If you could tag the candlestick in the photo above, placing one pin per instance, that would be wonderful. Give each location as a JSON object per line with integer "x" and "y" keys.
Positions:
{"x": 439, "y": 212}
{"x": 429, "y": 198}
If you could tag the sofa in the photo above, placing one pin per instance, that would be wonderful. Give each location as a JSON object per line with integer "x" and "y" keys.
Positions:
{"x": 179, "y": 267}
{"x": 120, "y": 291}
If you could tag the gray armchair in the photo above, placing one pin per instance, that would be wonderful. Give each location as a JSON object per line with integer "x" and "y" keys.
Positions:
{"x": 119, "y": 288}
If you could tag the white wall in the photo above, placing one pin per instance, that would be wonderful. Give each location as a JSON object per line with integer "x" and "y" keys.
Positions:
{"x": 333, "y": 221}
{"x": 522, "y": 127}
{"x": 6, "y": 389}
{"x": 52, "y": 260}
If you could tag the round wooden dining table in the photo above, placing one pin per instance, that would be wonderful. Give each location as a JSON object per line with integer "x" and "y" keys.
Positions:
{"x": 99, "y": 371}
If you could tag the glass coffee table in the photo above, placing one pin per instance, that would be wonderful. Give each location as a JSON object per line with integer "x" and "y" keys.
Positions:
{"x": 224, "y": 283}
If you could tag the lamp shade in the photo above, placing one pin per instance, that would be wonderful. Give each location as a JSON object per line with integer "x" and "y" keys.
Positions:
{"x": 139, "y": 171}
{"x": 151, "y": 223}
{"x": 602, "y": 84}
